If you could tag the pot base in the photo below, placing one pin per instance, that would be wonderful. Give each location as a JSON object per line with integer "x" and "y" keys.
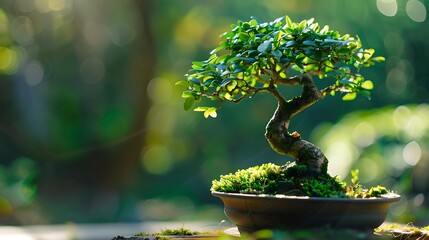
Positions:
{"x": 255, "y": 212}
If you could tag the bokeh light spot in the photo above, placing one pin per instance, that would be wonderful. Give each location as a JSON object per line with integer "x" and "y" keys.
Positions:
{"x": 364, "y": 134}
{"x": 191, "y": 30}
{"x": 42, "y": 5}
{"x": 416, "y": 10}
{"x": 33, "y": 73}
{"x": 4, "y": 23}
{"x": 157, "y": 159}
{"x": 419, "y": 199}
{"x": 387, "y": 7}
{"x": 371, "y": 168}
{"x": 96, "y": 35}
{"x": 412, "y": 153}
{"x": 397, "y": 163}
{"x": 394, "y": 43}
{"x": 159, "y": 90}
{"x": 22, "y": 31}
{"x": 396, "y": 81}
{"x": 400, "y": 116}
{"x": 56, "y": 5}
{"x": 7, "y": 58}
{"x": 415, "y": 128}
{"x": 340, "y": 155}
{"x": 122, "y": 34}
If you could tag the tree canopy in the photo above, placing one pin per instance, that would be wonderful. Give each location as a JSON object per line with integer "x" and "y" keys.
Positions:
{"x": 256, "y": 56}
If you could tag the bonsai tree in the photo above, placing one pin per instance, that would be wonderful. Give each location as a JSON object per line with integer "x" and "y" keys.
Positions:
{"x": 258, "y": 57}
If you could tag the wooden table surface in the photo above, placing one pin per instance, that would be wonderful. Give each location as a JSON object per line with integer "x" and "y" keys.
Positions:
{"x": 73, "y": 231}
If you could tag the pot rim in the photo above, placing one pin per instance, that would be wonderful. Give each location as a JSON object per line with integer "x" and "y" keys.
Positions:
{"x": 389, "y": 197}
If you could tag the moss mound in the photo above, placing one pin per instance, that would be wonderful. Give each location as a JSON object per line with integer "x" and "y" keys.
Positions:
{"x": 293, "y": 180}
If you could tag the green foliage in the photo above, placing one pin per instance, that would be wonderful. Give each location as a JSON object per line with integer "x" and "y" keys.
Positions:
{"x": 256, "y": 55}
{"x": 290, "y": 180}
{"x": 357, "y": 190}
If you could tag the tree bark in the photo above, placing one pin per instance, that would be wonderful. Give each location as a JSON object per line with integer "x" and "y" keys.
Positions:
{"x": 291, "y": 144}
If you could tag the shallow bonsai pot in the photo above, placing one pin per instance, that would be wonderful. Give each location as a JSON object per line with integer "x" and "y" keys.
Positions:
{"x": 254, "y": 212}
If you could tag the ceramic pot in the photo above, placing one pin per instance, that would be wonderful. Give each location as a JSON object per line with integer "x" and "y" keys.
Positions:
{"x": 254, "y": 212}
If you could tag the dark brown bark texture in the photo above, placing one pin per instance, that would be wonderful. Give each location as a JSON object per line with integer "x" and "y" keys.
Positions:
{"x": 291, "y": 144}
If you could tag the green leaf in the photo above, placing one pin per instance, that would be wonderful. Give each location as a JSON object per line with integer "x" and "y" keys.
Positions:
{"x": 369, "y": 52}
{"x": 358, "y": 56}
{"x": 217, "y": 49}
{"x": 231, "y": 86}
{"x": 249, "y": 60}
{"x": 277, "y": 53}
{"x": 309, "y": 43}
{"x": 187, "y": 94}
{"x": 344, "y": 50}
{"x": 195, "y": 81}
{"x": 265, "y": 46}
{"x": 201, "y": 109}
{"x": 378, "y": 59}
{"x": 288, "y": 22}
{"x": 318, "y": 55}
{"x": 330, "y": 42}
{"x": 328, "y": 66}
{"x": 230, "y": 60}
{"x": 256, "y": 19}
{"x": 253, "y": 22}
{"x": 345, "y": 81}
{"x": 278, "y": 36}
{"x": 210, "y": 112}
{"x": 355, "y": 176}
{"x": 181, "y": 83}
{"x": 222, "y": 58}
{"x": 302, "y": 24}
{"x": 197, "y": 64}
{"x": 290, "y": 43}
{"x": 189, "y": 102}
{"x": 368, "y": 85}
{"x": 325, "y": 29}
{"x": 311, "y": 67}
{"x": 349, "y": 96}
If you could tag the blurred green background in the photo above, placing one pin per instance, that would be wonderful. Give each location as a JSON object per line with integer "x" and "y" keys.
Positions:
{"x": 92, "y": 127}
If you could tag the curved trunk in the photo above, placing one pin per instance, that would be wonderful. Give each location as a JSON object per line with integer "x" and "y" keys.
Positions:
{"x": 291, "y": 144}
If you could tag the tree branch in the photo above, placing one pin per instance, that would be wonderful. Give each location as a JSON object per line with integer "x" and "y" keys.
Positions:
{"x": 310, "y": 94}
{"x": 288, "y": 81}
{"x": 292, "y": 145}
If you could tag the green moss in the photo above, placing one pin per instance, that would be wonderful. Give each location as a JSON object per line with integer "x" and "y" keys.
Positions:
{"x": 401, "y": 231}
{"x": 179, "y": 232}
{"x": 168, "y": 232}
{"x": 292, "y": 179}
{"x": 258, "y": 179}
{"x": 323, "y": 186}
